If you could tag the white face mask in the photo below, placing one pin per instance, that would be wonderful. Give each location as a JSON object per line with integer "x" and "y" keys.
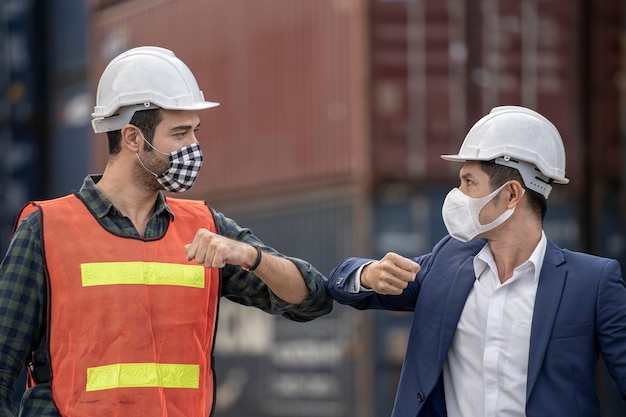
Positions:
{"x": 460, "y": 214}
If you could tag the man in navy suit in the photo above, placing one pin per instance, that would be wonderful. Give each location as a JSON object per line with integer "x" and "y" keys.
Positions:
{"x": 505, "y": 323}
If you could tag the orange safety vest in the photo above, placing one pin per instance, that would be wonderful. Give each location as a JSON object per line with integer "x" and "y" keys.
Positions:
{"x": 131, "y": 322}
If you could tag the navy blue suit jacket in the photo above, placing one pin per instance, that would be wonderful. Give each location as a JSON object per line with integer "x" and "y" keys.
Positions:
{"x": 579, "y": 313}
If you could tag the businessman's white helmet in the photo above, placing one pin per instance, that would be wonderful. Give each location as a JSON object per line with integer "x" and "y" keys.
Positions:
{"x": 519, "y": 138}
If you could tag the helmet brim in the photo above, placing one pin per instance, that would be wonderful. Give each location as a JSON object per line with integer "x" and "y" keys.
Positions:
{"x": 459, "y": 158}
{"x": 201, "y": 105}
{"x": 123, "y": 116}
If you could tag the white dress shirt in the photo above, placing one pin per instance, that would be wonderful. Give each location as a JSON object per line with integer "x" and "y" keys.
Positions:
{"x": 487, "y": 365}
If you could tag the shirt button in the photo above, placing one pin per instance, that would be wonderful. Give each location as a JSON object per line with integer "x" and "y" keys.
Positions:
{"x": 420, "y": 396}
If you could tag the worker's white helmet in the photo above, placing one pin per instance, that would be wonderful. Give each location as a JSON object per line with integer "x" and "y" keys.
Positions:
{"x": 519, "y": 138}
{"x": 144, "y": 78}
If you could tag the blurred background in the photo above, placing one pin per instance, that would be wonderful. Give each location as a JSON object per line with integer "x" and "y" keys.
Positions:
{"x": 327, "y": 141}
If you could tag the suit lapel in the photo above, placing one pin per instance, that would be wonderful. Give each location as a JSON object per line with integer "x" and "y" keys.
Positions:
{"x": 549, "y": 290}
{"x": 459, "y": 291}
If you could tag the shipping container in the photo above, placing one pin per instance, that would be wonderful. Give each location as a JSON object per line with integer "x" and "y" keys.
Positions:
{"x": 290, "y": 76}
{"x": 437, "y": 67}
{"x": 68, "y": 145}
{"x": 606, "y": 143}
{"x": 267, "y": 366}
{"x": 21, "y": 109}
{"x": 22, "y": 117}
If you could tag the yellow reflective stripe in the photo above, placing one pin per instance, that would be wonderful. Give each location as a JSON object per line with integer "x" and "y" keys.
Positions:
{"x": 147, "y": 273}
{"x": 134, "y": 375}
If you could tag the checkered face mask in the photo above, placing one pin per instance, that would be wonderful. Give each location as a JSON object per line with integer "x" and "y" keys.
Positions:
{"x": 184, "y": 167}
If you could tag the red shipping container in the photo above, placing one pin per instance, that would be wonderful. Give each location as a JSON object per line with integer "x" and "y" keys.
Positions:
{"x": 290, "y": 76}
{"x": 437, "y": 67}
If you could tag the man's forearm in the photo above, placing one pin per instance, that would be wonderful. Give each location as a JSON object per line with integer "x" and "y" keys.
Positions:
{"x": 283, "y": 278}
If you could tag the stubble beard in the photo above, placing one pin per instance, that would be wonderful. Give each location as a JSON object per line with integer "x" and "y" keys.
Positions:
{"x": 144, "y": 179}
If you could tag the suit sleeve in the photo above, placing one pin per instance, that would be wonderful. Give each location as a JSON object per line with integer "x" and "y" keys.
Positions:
{"x": 611, "y": 323}
{"x": 344, "y": 273}
{"x": 450, "y": 253}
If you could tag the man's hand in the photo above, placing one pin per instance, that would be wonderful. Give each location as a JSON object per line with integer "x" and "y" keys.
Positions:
{"x": 280, "y": 274}
{"x": 390, "y": 275}
{"x": 215, "y": 251}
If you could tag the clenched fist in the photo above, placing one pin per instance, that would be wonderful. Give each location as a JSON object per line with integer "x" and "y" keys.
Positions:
{"x": 390, "y": 275}
{"x": 215, "y": 251}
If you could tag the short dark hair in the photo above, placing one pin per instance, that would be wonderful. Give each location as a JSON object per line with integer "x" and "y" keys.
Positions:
{"x": 500, "y": 174}
{"x": 145, "y": 120}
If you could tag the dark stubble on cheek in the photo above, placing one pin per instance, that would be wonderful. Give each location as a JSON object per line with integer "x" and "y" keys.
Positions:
{"x": 153, "y": 161}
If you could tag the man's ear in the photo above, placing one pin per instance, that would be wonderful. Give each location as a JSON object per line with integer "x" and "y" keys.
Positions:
{"x": 515, "y": 192}
{"x": 131, "y": 138}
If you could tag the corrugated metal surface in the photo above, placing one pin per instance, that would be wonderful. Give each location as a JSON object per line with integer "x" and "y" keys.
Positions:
{"x": 604, "y": 90}
{"x": 530, "y": 54}
{"x": 22, "y": 120}
{"x": 268, "y": 366}
{"x": 21, "y": 105}
{"x": 605, "y": 222}
{"x": 604, "y": 160}
{"x": 288, "y": 73}
{"x": 418, "y": 55}
{"x": 437, "y": 67}
{"x": 69, "y": 142}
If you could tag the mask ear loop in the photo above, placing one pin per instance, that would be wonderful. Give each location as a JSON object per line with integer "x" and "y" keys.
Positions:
{"x": 145, "y": 167}
{"x": 152, "y": 146}
{"x": 478, "y": 204}
{"x": 502, "y": 217}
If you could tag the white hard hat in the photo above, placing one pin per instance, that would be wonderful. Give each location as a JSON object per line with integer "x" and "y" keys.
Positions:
{"x": 522, "y": 139}
{"x": 144, "y": 78}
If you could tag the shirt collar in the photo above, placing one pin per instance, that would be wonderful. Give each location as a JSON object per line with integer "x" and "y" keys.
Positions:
{"x": 484, "y": 259}
{"x": 102, "y": 206}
